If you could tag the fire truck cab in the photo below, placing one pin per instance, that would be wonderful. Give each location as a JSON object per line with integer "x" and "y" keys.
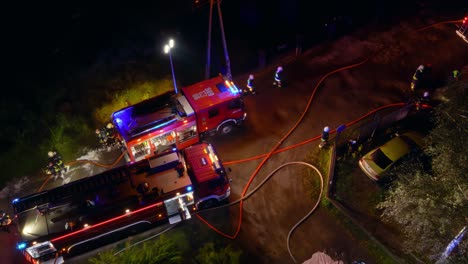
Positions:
{"x": 177, "y": 121}
{"x": 208, "y": 175}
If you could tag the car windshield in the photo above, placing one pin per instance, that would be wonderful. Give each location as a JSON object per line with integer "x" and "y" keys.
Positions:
{"x": 381, "y": 159}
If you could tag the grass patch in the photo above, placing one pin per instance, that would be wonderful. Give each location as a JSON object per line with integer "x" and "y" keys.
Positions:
{"x": 321, "y": 159}
{"x": 310, "y": 180}
{"x": 136, "y": 93}
{"x": 379, "y": 254}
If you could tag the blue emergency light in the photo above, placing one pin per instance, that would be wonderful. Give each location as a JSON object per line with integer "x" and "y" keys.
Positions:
{"x": 21, "y": 246}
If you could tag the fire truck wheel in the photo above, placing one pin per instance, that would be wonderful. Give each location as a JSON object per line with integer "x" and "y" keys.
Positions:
{"x": 226, "y": 128}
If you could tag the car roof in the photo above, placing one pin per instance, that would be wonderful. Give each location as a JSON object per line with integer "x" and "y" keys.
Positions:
{"x": 402, "y": 144}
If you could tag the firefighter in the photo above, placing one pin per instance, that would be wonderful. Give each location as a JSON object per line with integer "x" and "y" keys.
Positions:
{"x": 56, "y": 159}
{"x": 100, "y": 136}
{"x": 423, "y": 100}
{"x": 5, "y": 221}
{"x": 55, "y": 165}
{"x": 278, "y": 75}
{"x": 250, "y": 85}
{"x": 325, "y": 136}
{"x": 354, "y": 148}
{"x": 110, "y": 134}
{"x": 55, "y": 170}
{"x": 456, "y": 75}
{"x": 417, "y": 78}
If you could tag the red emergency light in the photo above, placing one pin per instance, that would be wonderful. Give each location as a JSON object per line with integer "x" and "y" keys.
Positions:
{"x": 465, "y": 20}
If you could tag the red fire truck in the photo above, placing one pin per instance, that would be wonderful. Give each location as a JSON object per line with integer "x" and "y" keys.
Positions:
{"x": 166, "y": 121}
{"x": 85, "y": 214}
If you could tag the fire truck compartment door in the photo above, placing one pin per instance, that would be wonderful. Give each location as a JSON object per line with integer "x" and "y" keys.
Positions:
{"x": 177, "y": 210}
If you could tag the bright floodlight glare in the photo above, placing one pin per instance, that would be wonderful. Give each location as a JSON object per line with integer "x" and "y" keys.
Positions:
{"x": 166, "y": 49}
{"x": 171, "y": 43}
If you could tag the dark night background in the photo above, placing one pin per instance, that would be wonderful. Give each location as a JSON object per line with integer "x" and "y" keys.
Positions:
{"x": 50, "y": 41}
{"x": 50, "y": 46}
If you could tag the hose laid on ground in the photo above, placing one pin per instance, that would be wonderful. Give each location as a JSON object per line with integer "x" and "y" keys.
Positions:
{"x": 282, "y": 140}
{"x": 262, "y": 183}
{"x": 144, "y": 240}
{"x": 84, "y": 161}
{"x": 314, "y": 138}
{"x": 276, "y": 147}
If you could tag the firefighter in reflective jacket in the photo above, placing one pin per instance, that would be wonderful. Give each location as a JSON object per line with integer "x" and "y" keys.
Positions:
{"x": 278, "y": 76}
{"x": 250, "y": 85}
{"x": 456, "y": 75}
{"x": 325, "y": 134}
{"x": 56, "y": 159}
{"x": 417, "y": 78}
{"x": 324, "y": 138}
{"x": 100, "y": 134}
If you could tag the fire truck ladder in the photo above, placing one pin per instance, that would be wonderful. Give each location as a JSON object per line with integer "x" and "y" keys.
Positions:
{"x": 73, "y": 189}
{"x": 462, "y": 31}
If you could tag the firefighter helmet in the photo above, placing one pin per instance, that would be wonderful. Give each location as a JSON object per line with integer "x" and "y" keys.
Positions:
{"x": 98, "y": 131}
{"x": 326, "y": 129}
{"x": 421, "y": 68}
{"x": 110, "y": 126}
{"x": 251, "y": 77}
{"x": 50, "y": 154}
{"x": 279, "y": 69}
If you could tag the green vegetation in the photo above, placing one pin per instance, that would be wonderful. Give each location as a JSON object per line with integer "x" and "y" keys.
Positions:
{"x": 134, "y": 94}
{"x": 180, "y": 245}
{"x": 310, "y": 180}
{"x": 159, "y": 251}
{"x": 375, "y": 250}
{"x": 430, "y": 203}
{"x": 321, "y": 158}
{"x": 209, "y": 254}
{"x": 66, "y": 120}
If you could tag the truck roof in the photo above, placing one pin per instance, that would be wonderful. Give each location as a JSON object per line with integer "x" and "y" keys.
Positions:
{"x": 146, "y": 116}
{"x": 41, "y": 249}
{"x": 69, "y": 201}
{"x": 204, "y": 161}
{"x": 210, "y": 92}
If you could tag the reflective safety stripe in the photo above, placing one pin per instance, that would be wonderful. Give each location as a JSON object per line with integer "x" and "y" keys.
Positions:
{"x": 277, "y": 78}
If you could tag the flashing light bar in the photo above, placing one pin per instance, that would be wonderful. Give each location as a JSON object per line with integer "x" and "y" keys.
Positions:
{"x": 214, "y": 159}
{"x": 232, "y": 87}
{"x": 106, "y": 222}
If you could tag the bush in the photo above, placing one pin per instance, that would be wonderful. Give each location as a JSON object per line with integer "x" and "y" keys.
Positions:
{"x": 208, "y": 254}
{"x": 132, "y": 95}
{"x": 160, "y": 251}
